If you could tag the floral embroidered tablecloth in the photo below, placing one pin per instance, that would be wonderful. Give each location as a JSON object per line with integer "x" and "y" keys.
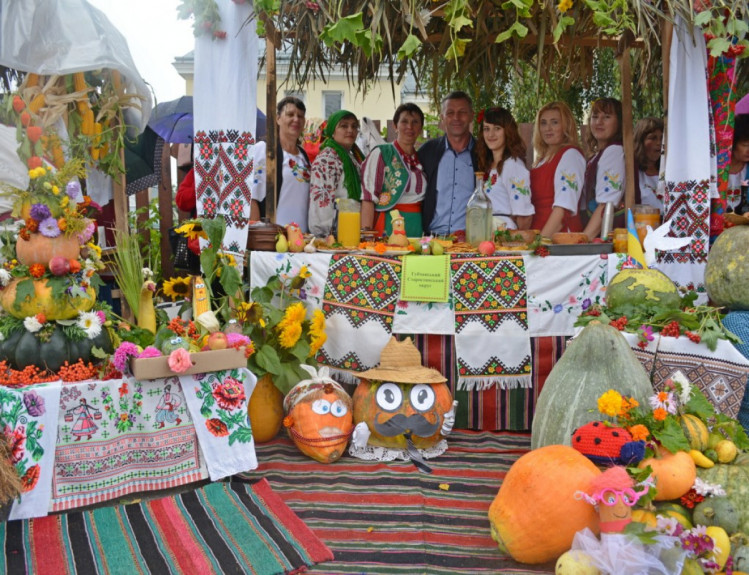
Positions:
{"x": 81, "y": 443}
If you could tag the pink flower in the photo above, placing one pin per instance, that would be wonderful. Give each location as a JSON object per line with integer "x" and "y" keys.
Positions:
{"x": 237, "y": 338}
{"x": 150, "y": 351}
{"x": 179, "y": 360}
{"x": 102, "y": 316}
{"x": 122, "y": 355}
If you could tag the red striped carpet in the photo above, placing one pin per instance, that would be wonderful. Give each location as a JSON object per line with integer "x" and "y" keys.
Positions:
{"x": 388, "y": 518}
{"x": 220, "y": 528}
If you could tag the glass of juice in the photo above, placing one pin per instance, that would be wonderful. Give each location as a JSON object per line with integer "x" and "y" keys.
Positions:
{"x": 645, "y": 216}
{"x": 349, "y": 222}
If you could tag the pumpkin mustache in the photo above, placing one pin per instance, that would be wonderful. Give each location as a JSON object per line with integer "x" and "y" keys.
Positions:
{"x": 417, "y": 424}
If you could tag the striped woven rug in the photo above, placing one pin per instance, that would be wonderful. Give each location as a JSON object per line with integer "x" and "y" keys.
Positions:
{"x": 388, "y": 518}
{"x": 220, "y": 528}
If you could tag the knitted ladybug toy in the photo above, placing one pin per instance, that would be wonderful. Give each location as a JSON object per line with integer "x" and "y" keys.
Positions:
{"x": 607, "y": 445}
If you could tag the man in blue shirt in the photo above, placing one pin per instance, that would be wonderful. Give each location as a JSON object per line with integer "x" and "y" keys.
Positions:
{"x": 449, "y": 163}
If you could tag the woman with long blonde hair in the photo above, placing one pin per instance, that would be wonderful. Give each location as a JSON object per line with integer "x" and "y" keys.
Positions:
{"x": 558, "y": 172}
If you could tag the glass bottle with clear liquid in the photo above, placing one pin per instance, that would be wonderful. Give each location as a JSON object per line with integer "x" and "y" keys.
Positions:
{"x": 479, "y": 221}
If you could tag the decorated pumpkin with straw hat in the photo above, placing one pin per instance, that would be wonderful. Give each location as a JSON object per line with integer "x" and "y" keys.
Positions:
{"x": 403, "y": 403}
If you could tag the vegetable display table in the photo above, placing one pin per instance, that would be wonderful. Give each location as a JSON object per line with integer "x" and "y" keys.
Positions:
{"x": 495, "y": 340}
{"x": 81, "y": 443}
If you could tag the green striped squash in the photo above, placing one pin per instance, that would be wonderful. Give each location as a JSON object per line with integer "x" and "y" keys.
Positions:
{"x": 695, "y": 431}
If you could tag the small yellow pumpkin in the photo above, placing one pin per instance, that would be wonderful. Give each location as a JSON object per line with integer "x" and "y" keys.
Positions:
{"x": 65, "y": 307}
{"x": 674, "y": 473}
{"x": 265, "y": 410}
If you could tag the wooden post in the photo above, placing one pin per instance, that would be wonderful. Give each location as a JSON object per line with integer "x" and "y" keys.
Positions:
{"x": 166, "y": 213}
{"x": 667, "y": 30}
{"x": 271, "y": 195}
{"x": 627, "y": 137}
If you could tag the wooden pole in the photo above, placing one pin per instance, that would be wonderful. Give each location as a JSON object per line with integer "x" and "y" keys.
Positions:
{"x": 627, "y": 136}
{"x": 271, "y": 195}
{"x": 166, "y": 213}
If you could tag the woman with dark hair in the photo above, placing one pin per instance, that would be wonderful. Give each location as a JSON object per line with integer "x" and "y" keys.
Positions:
{"x": 648, "y": 138}
{"x": 335, "y": 172}
{"x": 558, "y": 171}
{"x": 604, "y": 173}
{"x": 292, "y": 167}
{"x": 392, "y": 176}
{"x": 738, "y": 171}
{"x": 507, "y": 181}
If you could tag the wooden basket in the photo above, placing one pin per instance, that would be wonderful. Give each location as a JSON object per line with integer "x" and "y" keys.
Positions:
{"x": 262, "y": 237}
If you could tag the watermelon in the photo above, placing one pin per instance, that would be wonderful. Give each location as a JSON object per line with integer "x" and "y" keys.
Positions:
{"x": 727, "y": 269}
{"x": 643, "y": 291}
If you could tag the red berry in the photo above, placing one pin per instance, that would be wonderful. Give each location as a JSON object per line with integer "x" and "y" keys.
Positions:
{"x": 18, "y": 104}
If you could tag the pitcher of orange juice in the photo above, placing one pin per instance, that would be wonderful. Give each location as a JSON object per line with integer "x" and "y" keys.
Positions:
{"x": 645, "y": 216}
{"x": 349, "y": 222}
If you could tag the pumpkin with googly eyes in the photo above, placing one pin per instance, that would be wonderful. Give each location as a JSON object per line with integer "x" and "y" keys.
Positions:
{"x": 401, "y": 399}
{"x": 319, "y": 417}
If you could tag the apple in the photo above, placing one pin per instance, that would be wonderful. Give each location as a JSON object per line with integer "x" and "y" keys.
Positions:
{"x": 486, "y": 248}
{"x": 217, "y": 340}
{"x": 59, "y": 266}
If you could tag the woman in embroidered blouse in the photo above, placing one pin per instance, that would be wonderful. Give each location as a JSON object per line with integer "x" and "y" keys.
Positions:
{"x": 648, "y": 139}
{"x": 738, "y": 171}
{"x": 392, "y": 177}
{"x": 500, "y": 151}
{"x": 604, "y": 173}
{"x": 335, "y": 172}
{"x": 557, "y": 174}
{"x": 293, "y": 168}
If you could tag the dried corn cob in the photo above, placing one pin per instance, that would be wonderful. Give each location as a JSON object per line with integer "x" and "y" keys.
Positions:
{"x": 37, "y": 103}
{"x": 200, "y": 301}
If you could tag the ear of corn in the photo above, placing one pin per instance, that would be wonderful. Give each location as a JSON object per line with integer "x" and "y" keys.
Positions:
{"x": 87, "y": 122}
{"x": 79, "y": 81}
{"x": 117, "y": 82}
{"x": 32, "y": 80}
{"x": 200, "y": 300}
{"x": 37, "y": 103}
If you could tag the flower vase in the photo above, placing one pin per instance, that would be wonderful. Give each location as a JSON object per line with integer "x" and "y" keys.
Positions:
{"x": 265, "y": 410}
{"x": 39, "y": 249}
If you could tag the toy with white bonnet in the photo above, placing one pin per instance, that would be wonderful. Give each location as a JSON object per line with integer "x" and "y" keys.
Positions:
{"x": 319, "y": 416}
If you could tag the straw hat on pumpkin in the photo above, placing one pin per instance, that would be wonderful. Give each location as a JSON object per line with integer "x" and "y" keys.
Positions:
{"x": 400, "y": 362}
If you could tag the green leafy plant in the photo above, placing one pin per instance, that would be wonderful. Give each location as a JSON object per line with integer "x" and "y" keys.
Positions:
{"x": 128, "y": 267}
{"x": 284, "y": 337}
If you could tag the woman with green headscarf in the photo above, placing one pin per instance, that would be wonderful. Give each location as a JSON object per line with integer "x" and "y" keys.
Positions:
{"x": 335, "y": 172}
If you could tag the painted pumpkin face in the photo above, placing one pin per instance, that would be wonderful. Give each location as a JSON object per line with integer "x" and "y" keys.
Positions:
{"x": 392, "y": 409}
{"x": 321, "y": 423}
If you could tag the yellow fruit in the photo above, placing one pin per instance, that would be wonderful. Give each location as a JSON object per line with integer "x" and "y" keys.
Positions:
{"x": 726, "y": 450}
{"x": 282, "y": 244}
{"x": 714, "y": 438}
{"x": 645, "y": 516}
{"x": 722, "y": 545}
{"x": 575, "y": 562}
{"x": 701, "y": 459}
{"x": 691, "y": 567}
{"x": 265, "y": 410}
{"x": 437, "y": 248}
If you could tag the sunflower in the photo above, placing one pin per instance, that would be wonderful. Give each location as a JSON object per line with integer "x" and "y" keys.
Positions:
{"x": 290, "y": 334}
{"x": 317, "y": 325}
{"x": 192, "y": 231}
{"x": 177, "y": 288}
{"x": 316, "y": 342}
{"x": 250, "y": 312}
{"x": 295, "y": 313}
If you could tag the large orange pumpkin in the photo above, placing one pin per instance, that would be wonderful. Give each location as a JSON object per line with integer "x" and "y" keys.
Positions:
{"x": 319, "y": 418}
{"x": 535, "y": 515}
{"x": 674, "y": 473}
{"x": 39, "y": 249}
{"x": 265, "y": 410}
{"x": 392, "y": 409}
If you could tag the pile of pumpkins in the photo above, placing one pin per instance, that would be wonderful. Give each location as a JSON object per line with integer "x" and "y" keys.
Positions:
{"x": 535, "y": 514}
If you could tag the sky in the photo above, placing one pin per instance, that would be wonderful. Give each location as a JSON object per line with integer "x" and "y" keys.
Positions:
{"x": 155, "y": 37}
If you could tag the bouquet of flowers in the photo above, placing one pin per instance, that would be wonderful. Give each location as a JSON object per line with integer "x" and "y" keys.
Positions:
{"x": 284, "y": 337}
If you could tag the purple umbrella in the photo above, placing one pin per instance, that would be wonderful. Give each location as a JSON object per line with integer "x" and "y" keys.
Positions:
{"x": 742, "y": 106}
{"x": 173, "y": 121}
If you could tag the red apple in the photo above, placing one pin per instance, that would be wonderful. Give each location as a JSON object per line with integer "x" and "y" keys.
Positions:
{"x": 487, "y": 248}
{"x": 59, "y": 266}
{"x": 217, "y": 340}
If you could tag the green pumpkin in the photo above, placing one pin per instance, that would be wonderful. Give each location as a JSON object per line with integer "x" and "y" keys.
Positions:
{"x": 727, "y": 269}
{"x": 23, "y": 348}
{"x": 640, "y": 290}
{"x": 734, "y": 478}
{"x": 718, "y": 511}
{"x": 597, "y": 360}
{"x": 741, "y": 558}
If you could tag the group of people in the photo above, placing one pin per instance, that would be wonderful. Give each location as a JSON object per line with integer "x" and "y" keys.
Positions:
{"x": 430, "y": 186}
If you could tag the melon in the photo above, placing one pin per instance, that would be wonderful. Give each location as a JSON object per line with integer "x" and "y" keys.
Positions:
{"x": 727, "y": 269}
{"x": 597, "y": 360}
{"x": 641, "y": 290}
